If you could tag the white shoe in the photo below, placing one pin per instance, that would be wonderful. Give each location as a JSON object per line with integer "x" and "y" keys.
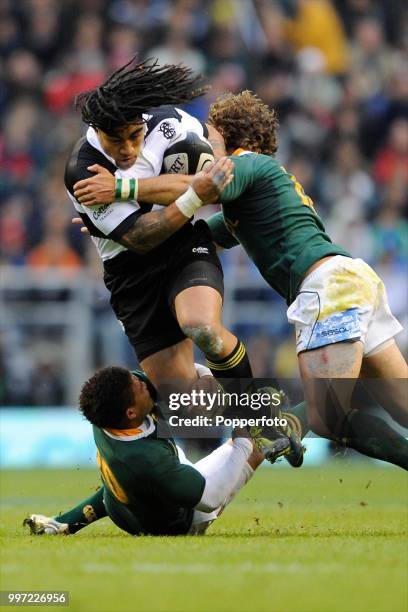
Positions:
{"x": 40, "y": 525}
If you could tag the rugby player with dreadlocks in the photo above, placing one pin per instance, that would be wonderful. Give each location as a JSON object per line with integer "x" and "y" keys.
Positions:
{"x": 162, "y": 271}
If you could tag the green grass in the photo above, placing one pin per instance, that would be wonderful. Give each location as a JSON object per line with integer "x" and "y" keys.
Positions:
{"x": 318, "y": 539}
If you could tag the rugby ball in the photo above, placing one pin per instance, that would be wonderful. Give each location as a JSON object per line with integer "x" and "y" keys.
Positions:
{"x": 188, "y": 155}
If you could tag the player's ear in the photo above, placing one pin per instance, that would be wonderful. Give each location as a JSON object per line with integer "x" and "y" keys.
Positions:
{"x": 131, "y": 413}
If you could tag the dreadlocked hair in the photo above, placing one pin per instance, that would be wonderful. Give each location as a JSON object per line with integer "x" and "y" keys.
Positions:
{"x": 135, "y": 88}
{"x": 245, "y": 121}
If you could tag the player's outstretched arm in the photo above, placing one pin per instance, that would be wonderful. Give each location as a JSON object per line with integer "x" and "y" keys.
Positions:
{"x": 151, "y": 229}
{"x": 101, "y": 188}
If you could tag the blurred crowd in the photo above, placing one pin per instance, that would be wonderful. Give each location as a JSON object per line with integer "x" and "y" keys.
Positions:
{"x": 336, "y": 71}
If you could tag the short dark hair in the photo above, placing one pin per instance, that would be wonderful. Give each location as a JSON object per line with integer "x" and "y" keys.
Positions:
{"x": 106, "y": 396}
{"x": 245, "y": 121}
{"x": 135, "y": 88}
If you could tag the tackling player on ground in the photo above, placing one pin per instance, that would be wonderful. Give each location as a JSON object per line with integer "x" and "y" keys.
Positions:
{"x": 149, "y": 486}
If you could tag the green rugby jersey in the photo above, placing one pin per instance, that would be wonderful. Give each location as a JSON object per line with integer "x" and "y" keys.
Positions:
{"x": 266, "y": 210}
{"x": 143, "y": 475}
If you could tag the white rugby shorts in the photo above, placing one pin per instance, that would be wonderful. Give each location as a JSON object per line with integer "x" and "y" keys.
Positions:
{"x": 343, "y": 299}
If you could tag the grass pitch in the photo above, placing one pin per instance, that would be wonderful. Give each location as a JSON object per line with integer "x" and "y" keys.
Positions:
{"x": 316, "y": 539}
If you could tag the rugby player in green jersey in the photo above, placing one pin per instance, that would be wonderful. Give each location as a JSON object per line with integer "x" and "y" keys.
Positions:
{"x": 344, "y": 326}
{"x": 149, "y": 486}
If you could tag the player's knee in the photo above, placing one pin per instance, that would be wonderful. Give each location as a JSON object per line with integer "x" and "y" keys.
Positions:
{"x": 206, "y": 336}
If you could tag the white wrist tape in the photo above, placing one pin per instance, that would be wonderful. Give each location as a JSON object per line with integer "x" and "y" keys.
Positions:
{"x": 189, "y": 202}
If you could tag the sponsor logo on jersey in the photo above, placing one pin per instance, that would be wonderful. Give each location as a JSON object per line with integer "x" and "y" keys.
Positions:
{"x": 167, "y": 130}
{"x": 200, "y": 250}
{"x": 100, "y": 212}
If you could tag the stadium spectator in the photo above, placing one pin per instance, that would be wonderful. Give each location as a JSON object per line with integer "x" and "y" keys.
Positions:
{"x": 346, "y": 177}
{"x": 316, "y": 24}
{"x": 54, "y": 250}
{"x": 392, "y": 160}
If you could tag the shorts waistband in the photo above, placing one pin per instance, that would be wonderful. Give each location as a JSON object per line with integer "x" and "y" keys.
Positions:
{"x": 327, "y": 264}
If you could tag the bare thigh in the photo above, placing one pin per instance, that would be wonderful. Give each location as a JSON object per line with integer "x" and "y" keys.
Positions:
{"x": 329, "y": 374}
{"x": 391, "y": 391}
{"x": 175, "y": 363}
{"x": 198, "y": 311}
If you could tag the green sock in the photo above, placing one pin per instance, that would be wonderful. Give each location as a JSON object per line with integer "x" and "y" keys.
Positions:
{"x": 373, "y": 437}
{"x": 297, "y": 419}
{"x": 85, "y": 513}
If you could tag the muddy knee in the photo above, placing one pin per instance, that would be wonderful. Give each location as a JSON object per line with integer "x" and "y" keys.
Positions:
{"x": 207, "y": 337}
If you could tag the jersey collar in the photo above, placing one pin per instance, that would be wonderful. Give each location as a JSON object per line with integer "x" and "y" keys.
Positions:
{"x": 241, "y": 151}
{"x": 128, "y": 435}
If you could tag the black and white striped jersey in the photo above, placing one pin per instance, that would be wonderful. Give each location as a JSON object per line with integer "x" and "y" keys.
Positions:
{"x": 164, "y": 127}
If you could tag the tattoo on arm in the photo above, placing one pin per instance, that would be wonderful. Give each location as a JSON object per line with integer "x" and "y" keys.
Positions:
{"x": 151, "y": 229}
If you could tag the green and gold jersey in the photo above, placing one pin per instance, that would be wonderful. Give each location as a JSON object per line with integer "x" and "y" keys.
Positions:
{"x": 266, "y": 210}
{"x": 143, "y": 473}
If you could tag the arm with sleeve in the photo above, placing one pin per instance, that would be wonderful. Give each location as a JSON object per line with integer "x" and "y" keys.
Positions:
{"x": 220, "y": 232}
{"x": 108, "y": 220}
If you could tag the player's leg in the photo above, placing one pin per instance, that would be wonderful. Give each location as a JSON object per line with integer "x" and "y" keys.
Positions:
{"x": 86, "y": 512}
{"x": 223, "y": 469}
{"x": 331, "y": 414}
{"x": 328, "y": 404}
{"x": 195, "y": 295}
{"x": 173, "y": 362}
{"x": 297, "y": 419}
{"x": 343, "y": 299}
{"x": 389, "y": 365}
{"x": 198, "y": 311}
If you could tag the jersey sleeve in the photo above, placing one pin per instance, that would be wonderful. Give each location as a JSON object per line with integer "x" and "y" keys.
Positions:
{"x": 244, "y": 177}
{"x": 108, "y": 220}
{"x": 175, "y": 482}
{"x": 220, "y": 233}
